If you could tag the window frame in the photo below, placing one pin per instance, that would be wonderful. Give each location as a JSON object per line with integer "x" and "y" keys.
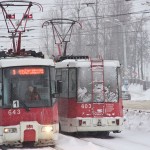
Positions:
{"x": 76, "y": 82}
{"x": 1, "y": 86}
{"x": 117, "y": 85}
{"x": 59, "y": 76}
{"x": 48, "y": 68}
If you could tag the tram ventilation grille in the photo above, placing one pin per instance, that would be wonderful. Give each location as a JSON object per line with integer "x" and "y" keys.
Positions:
{"x": 71, "y": 57}
{"x": 22, "y": 53}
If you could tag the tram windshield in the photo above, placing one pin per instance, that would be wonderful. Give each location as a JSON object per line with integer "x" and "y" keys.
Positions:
{"x": 30, "y": 86}
{"x": 84, "y": 85}
{"x": 111, "y": 84}
{"x": 88, "y": 85}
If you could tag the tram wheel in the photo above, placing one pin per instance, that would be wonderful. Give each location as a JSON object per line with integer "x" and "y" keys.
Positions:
{"x": 28, "y": 144}
{"x": 60, "y": 131}
{"x": 103, "y": 134}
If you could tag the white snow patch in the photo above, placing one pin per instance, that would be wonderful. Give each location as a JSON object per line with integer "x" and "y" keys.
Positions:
{"x": 137, "y": 92}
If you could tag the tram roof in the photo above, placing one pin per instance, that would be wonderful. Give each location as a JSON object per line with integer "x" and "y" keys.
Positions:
{"x": 29, "y": 61}
{"x": 84, "y": 63}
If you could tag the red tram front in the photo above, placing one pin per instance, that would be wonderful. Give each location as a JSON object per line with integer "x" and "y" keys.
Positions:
{"x": 89, "y": 95}
{"x": 28, "y": 111}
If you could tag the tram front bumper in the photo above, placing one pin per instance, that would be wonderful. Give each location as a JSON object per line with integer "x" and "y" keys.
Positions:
{"x": 96, "y": 124}
{"x": 30, "y": 131}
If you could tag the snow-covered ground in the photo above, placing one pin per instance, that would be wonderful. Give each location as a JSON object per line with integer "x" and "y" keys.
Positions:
{"x": 137, "y": 93}
{"x": 135, "y": 135}
{"x": 136, "y": 132}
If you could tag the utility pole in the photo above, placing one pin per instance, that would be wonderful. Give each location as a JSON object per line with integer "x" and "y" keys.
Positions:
{"x": 96, "y": 52}
{"x": 62, "y": 15}
{"x": 79, "y": 46}
{"x": 79, "y": 32}
{"x": 124, "y": 46}
{"x": 124, "y": 42}
{"x": 61, "y": 11}
{"x": 96, "y": 33}
{"x": 47, "y": 42}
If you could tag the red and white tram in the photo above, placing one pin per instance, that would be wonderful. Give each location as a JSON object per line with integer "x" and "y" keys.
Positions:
{"x": 28, "y": 111}
{"x": 89, "y": 95}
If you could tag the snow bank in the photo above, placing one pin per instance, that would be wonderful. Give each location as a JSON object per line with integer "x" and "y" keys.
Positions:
{"x": 137, "y": 120}
{"x": 137, "y": 93}
{"x": 71, "y": 143}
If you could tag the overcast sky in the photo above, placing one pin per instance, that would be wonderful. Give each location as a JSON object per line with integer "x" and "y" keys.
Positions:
{"x": 34, "y": 37}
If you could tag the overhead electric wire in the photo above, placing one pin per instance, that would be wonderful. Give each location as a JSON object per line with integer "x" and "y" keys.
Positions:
{"x": 66, "y": 3}
{"x": 88, "y": 18}
{"x": 105, "y": 16}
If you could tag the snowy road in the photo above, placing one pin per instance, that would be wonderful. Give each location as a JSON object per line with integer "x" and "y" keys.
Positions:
{"x": 141, "y": 105}
{"x": 135, "y": 136}
{"x": 127, "y": 140}
{"x": 124, "y": 141}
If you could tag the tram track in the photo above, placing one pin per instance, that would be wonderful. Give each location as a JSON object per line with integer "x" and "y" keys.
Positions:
{"x": 109, "y": 147}
{"x": 99, "y": 145}
{"x": 34, "y": 148}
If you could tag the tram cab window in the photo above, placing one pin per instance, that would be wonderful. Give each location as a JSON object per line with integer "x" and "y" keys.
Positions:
{"x": 111, "y": 84}
{"x": 72, "y": 83}
{"x": 0, "y": 87}
{"x": 17, "y": 81}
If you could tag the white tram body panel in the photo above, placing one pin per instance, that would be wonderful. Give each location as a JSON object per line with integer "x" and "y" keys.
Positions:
{"x": 10, "y": 62}
{"x": 91, "y": 124}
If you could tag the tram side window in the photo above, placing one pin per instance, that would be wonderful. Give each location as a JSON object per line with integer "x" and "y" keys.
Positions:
{"x": 64, "y": 78}
{"x": 52, "y": 82}
{"x": 62, "y": 75}
{"x": 6, "y": 89}
{"x": 119, "y": 80}
{"x": 72, "y": 83}
{"x": 58, "y": 78}
{"x": 0, "y": 87}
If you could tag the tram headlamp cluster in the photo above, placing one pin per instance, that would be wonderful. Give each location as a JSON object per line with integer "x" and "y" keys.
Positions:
{"x": 10, "y": 130}
{"x": 47, "y": 129}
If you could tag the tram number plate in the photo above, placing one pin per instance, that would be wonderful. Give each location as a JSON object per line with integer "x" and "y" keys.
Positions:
{"x": 14, "y": 112}
{"x": 15, "y": 103}
{"x": 84, "y": 106}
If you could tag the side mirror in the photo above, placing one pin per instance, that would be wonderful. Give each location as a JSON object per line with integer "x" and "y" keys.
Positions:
{"x": 59, "y": 86}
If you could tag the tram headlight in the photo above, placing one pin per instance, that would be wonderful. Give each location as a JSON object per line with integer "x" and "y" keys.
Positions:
{"x": 47, "y": 129}
{"x": 10, "y": 130}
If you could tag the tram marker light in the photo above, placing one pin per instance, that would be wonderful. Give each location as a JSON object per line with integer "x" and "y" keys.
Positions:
{"x": 10, "y": 130}
{"x": 80, "y": 122}
{"x": 26, "y": 16}
{"x": 117, "y": 121}
{"x": 10, "y": 16}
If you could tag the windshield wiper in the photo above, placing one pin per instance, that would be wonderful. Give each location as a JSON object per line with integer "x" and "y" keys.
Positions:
{"x": 13, "y": 92}
{"x": 24, "y": 105}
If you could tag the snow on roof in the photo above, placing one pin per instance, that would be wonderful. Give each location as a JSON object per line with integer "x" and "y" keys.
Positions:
{"x": 84, "y": 63}
{"x": 113, "y": 63}
{"x": 10, "y": 62}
